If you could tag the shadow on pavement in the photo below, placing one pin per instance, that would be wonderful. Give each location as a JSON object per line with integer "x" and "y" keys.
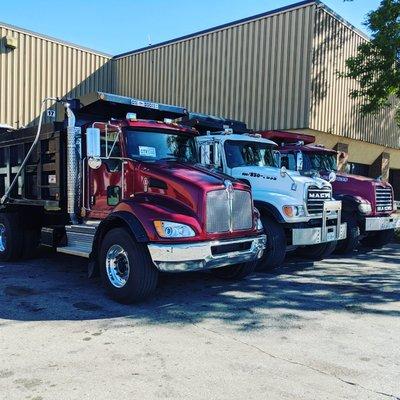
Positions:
{"x": 55, "y": 287}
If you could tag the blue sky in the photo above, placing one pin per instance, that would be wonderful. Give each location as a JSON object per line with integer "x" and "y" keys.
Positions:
{"x": 116, "y": 26}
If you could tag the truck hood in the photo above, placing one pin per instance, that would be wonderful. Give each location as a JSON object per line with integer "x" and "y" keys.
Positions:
{"x": 273, "y": 174}
{"x": 184, "y": 183}
{"x": 358, "y": 186}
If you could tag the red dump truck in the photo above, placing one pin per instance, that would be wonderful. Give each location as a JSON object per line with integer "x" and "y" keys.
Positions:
{"x": 114, "y": 180}
{"x": 368, "y": 204}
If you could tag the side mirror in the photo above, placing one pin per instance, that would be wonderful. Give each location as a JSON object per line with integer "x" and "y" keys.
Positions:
{"x": 93, "y": 149}
{"x": 299, "y": 161}
{"x": 283, "y": 171}
{"x": 332, "y": 177}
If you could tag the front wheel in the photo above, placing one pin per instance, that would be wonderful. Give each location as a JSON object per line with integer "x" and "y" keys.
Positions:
{"x": 317, "y": 252}
{"x": 275, "y": 252}
{"x": 126, "y": 269}
{"x": 378, "y": 239}
{"x": 349, "y": 244}
{"x": 235, "y": 272}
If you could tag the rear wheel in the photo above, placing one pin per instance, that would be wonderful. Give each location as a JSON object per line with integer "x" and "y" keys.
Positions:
{"x": 11, "y": 237}
{"x": 352, "y": 237}
{"x": 317, "y": 252}
{"x": 378, "y": 239}
{"x": 126, "y": 269}
{"x": 275, "y": 251}
{"x": 235, "y": 272}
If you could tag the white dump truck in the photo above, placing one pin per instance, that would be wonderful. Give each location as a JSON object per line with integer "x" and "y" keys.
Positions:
{"x": 297, "y": 212}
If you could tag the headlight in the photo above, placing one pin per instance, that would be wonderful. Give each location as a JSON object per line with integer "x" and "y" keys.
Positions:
{"x": 167, "y": 229}
{"x": 365, "y": 208}
{"x": 294, "y": 211}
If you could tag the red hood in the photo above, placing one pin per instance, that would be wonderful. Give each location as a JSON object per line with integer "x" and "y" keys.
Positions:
{"x": 182, "y": 182}
{"x": 359, "y": 186}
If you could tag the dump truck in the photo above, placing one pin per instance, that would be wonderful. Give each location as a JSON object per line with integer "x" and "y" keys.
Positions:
{"x": 298, "y": 213}
{"x": 369, "y": 208}
{"x": 113, "y": 179}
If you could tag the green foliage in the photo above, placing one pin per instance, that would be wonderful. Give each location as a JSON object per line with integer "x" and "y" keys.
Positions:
{"x": 376, "y": 67}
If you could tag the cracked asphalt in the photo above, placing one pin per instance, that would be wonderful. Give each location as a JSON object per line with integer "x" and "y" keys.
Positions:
{"x": 328, "y": 330}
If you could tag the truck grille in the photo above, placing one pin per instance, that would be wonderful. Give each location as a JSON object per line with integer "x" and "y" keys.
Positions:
{"x": 384, "y": 199}
{"x": 316, "y": 198}
{"x": 228, "y": 211}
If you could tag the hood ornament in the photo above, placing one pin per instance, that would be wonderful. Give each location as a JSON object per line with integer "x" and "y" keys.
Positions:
{"x": 228, "y": 185}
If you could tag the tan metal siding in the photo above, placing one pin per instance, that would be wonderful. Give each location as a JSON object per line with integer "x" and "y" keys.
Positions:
{"x": 258, "y": 71}
{"x": 40, "y": 67}
{"x": 332, "y": 110}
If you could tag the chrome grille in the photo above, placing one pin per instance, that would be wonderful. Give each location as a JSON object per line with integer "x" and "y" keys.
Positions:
{"x": 228, "y": 211}
{"x": 242, "y": 210}
{"x": 384, "y": 198}
{"x": 316, "y": 198}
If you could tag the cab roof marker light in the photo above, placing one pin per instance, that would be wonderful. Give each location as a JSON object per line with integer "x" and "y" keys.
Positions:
{"x": 131, "y": 116}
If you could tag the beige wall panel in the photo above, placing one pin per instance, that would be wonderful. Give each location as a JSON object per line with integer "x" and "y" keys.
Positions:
{"x": 258, "y": 71}
{"x": 332, "y": 110}
{"x": 41, "y": 67}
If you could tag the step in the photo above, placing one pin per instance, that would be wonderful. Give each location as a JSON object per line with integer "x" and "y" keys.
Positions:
{"x": 79, "y": 239}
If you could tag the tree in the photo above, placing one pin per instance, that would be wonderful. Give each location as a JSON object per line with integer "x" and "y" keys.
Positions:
{"x": 376, "y": 67}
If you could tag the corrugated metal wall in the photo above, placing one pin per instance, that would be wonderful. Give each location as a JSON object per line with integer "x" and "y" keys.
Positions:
{"x": 258, "y": 71}
{"x": 332, "y": 110}
{"x": 41, "y": 67}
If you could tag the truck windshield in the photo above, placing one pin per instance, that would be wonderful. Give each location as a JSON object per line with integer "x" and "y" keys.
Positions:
{"x": 319, "y": 162}
{"x": 146, "y": 145}
{"x": 242, "y": 153}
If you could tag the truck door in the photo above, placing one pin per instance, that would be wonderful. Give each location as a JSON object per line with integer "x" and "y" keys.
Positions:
{"x": 104, "y": 185}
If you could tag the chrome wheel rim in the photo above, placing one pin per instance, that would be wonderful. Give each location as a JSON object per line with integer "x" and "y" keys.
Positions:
{"x": 2, "y": 238}
{"x": 117, "y": 266}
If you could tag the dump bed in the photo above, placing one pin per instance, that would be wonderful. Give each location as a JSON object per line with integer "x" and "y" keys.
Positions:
{"x": 42, "y": 181}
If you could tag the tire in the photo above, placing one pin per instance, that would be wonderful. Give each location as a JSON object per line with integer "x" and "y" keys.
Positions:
{"x": 235, "y": 272}
{"x": 135, "y": 276}
{"x": 349, "y": 244}
{"x": 378, "y": 239}
{"x": 317, "y": 252}
{"x": 275, "y": 252}
{"x": 11, "y": 237}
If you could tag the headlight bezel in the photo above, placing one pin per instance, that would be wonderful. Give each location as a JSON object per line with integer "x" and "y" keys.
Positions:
{"x": 173, "y": 230}
{"x": 294, "y": 211}
{"x": 364, "y": 208}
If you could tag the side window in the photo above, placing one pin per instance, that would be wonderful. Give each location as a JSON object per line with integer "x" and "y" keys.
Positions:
{"x": 110, "y": 145}
{"x": 288, "y": 161}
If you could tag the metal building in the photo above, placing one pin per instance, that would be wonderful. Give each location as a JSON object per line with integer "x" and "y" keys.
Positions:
{"x": 276, "y": 70}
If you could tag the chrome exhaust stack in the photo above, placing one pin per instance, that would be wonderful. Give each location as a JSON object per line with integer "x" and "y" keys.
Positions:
{"x": 73, "y": 152}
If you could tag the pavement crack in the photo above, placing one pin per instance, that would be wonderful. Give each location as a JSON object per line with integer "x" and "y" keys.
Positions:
{"x": 320, "y": 371}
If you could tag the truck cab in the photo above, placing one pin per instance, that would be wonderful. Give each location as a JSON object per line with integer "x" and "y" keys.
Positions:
{"x": 297, "y": 212}
{"x": 127, "y": 195}
{"x": 368, "y": 204}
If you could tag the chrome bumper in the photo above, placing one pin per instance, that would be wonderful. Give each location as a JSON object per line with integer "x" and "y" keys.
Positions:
{"x": 310, "y": 236}
{"x": 382, "y": 223}
{"x": 323, "y": 234}
{"x": 206, "y": 255}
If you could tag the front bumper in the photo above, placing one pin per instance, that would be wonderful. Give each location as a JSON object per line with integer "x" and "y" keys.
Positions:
{"x": 382, "y": 223}
{"x": 206, "y": 255}
{"x": 325, "y": 233}
{"x": 310, "y": 236}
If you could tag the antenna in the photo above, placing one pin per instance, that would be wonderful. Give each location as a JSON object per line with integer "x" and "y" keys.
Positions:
{"x": 149, "y": 40}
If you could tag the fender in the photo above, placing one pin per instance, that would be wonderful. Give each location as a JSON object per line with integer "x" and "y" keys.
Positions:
{"x": 115, "y": 219}
{"x": 349, "y": 203}
{"x": 268, "y": 208}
